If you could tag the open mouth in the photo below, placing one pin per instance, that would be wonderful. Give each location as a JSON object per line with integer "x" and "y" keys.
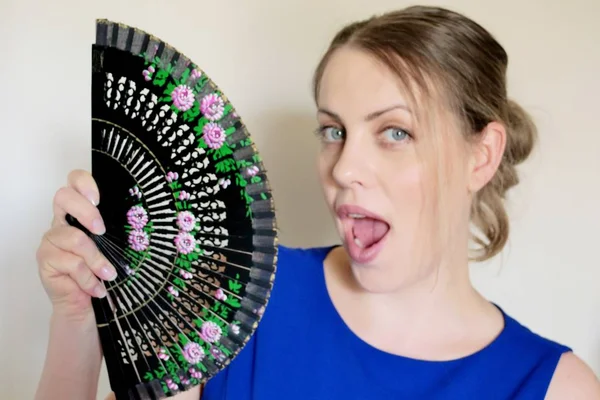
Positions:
{"x": 364, "y": 232}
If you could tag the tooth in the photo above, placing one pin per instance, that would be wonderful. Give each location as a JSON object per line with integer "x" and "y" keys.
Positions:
{"x": 358, "y": 242}
{"x": 356, "y": 215}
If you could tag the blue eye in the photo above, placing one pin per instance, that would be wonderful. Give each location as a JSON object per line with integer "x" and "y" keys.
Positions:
{"x": 395, "y": 134}
{"x": 331, "y": 134}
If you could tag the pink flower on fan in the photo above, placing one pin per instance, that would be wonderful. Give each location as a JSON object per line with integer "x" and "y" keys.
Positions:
{"x": 235, "y": 329}
{"x": 184, "y": 380}
{"x": 135, "y": 192}
{"x": 162, "y": 354}
{"x": 194, "y": 373}
{"x": 212, "y": 106}
{"x": 224, "y": 182}
{"x": 214, "y": 135}
{"x": 137, "y": 217}
{"x": 253, "y": 170}
{"x": 185, "y": 243}
{"x": 170, "y": 384}
{"x": 128, "y": 270}
{"x": 185, "y": 274}
{"x": 138, "y": 240}
{"x": 220, "y": 295}
{"x": 210, "y": 332}
{"x": 148, "y": 73}
{"x": 196, "y": 74}
{"x": 217, "y": 353}
{"x": 183, "y": 195}
{"x": 183, "y": 97}
{"x": 173, "y": 291}
{"x": 186, "y": 221}
{"x": 172, "y": 176}
{"x": 193, "y": 353}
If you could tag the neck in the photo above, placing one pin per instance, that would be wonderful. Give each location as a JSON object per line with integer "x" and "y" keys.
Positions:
{"x": 439, "y": 315}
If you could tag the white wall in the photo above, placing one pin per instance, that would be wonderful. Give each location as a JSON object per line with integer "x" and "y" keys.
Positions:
{"x": 548, "y": 277}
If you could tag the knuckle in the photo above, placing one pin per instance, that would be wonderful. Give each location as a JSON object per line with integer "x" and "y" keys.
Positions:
{"x": 82, "y": 181}
{"x": 44, "y": 248}
{"x": 77, "y": 238}
{"x": 40, "y": 253}
{"x": 89, "y": 280}
{"x": 76, "y": 175}
{"x": 61, "y": 195}
{"x": 81, "y": 269}
{"x": 80, "y": 239}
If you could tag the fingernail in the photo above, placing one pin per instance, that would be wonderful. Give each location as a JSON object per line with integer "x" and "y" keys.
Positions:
{"x": 100, "y": 291}
{"x": 92, "y": 199}
{"x": 108, "y": 273}
{"x": 98, "y": 227}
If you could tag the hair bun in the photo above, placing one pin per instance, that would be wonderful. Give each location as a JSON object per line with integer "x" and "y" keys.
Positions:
{"x": 521, "y": 134}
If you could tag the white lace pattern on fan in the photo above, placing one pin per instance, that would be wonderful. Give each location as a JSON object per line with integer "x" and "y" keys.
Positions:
{"x": 196, "y": 181}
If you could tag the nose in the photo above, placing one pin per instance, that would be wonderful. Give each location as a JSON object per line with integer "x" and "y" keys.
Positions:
{"x": 353, "y": 164}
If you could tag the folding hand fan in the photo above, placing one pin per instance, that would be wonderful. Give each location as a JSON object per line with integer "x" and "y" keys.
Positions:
{"x": 189, "y": 217}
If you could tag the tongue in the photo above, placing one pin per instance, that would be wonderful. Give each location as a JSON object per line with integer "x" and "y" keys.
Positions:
{"x": 369, "y": 231}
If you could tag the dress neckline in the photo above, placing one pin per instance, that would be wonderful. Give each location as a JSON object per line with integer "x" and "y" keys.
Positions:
{"x": 383, "y": 356}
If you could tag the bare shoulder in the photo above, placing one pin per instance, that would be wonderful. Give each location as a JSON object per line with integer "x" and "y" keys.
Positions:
{"x": 574, "y": 380}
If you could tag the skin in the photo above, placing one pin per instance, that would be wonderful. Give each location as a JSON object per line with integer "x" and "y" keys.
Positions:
{"x": 373, "y": 166}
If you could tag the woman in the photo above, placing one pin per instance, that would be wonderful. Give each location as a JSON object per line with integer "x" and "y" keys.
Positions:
{"x": 419, "y": 141}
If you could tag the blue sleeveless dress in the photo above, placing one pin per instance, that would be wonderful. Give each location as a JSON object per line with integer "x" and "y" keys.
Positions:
{"x": 303, "y": 350}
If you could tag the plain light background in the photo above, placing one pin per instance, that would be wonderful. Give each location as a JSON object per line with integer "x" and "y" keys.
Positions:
{"x": 262, "y": 54}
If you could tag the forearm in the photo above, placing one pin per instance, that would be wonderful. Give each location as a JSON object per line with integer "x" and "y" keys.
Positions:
{"x": 73, "y": 361}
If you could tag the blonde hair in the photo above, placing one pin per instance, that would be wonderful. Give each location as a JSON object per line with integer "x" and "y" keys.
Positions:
{"x": 443, "y": 51}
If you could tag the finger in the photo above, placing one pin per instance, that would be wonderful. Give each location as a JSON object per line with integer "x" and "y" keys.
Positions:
{"x": 69, "y": 201}
{"x": 83, "y": 182}
{"x": 76, "y": 268}
{"x": 72, "y": 240}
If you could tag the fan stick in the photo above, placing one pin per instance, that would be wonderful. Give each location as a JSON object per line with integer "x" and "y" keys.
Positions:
{"x": 145, "y": 272}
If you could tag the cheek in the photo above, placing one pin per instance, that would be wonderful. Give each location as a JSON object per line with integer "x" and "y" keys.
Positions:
{"x": 405, "y": 185}
{"x": 325, "y": 163}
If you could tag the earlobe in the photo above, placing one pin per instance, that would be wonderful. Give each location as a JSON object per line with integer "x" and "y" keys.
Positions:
{"x": 487, "y": 153}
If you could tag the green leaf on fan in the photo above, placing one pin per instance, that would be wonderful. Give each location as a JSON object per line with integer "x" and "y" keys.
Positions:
{"x": 183, "y": 339}
{"x": 160, "y": 78}
{"x": 235, "y": 285}
{"x": 230, "y": 130}
{"x": 184, "y": 76}
{"x": 232, "y": 301}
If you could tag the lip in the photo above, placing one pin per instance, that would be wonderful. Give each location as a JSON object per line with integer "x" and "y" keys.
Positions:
{"x": 344, "y": 210}
{"x": 359, "y": 255}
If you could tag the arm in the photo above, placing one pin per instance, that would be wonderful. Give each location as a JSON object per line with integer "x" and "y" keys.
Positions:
{"x": 73, "y": 360}
{"x": 573, "y": 380}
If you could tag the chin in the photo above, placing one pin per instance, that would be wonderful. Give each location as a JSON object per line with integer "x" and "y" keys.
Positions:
{"x": 376, "y": 279}
{"x": 385, "y": 267}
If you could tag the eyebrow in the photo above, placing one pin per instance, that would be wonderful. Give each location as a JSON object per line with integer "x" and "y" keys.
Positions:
{"x": 370, "y": 116}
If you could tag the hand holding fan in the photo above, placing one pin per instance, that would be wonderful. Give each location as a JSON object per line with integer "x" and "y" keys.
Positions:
{"x": 189, "y": 217}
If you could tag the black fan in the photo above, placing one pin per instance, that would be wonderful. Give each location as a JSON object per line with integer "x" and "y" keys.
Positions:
{"x": 189, "y": 216}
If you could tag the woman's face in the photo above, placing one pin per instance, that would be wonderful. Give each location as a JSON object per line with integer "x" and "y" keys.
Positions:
{"x": 377, "y": 177}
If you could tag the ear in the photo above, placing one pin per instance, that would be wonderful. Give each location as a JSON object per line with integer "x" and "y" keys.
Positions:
{"x": 486, "y": 155}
